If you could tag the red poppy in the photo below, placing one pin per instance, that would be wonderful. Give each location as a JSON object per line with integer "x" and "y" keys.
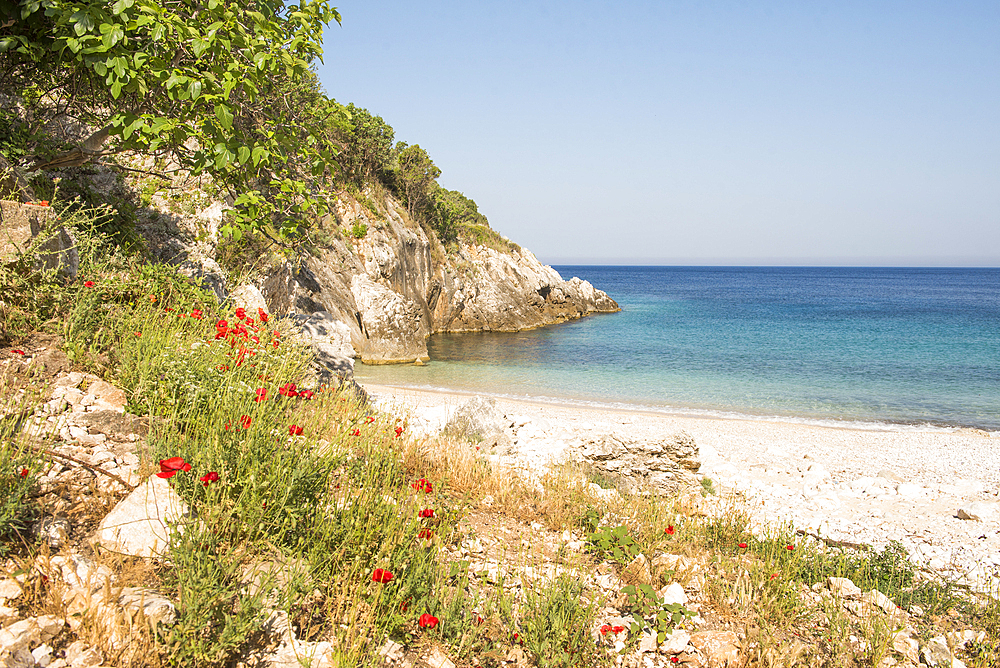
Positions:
{"x": 288, "y": 390}
{"x": 261, "y": 315}
{"x": 222, "y": 325}
{"x": 255, "y": 339}
{"x": 369, "y": 419}
{"x": 356, "y": 432}
{"x": 404, "y": 606}
{"x": 223, "y": 367}
{"x": 606, "y": 629}
{"x": 137, "y": 333}
{"x": 479, "y": 620}
{"x": 425, "y": 534}
{"x": 24, "y": 473}
{"x": 428, "y": 621}
{"x": 43, "y": 202}
{"x": 742, "y": 546}
{"x": 196, "y": 314}
{"x": 305, "y": 394}
{"x": 423, "y": 485}
{"x": 168, "y": 310}
{"x": 261, "y": 394}
{"x": 774, "y": 575}
{"x": 789, "y": 547}
{"x": 669, "y": 530}
{"x": 246, "y": 421}
{"x": 241, "y": 313}
{"x": 88, "y": 284}
{"x": 169, "y": 467}
{"x": 399, "y": 432}
{"x": 17, "y": 351}
{"x": 211, "y": 476}
{"x": 618, "y": 629}
{"x": 426, "y": 512}
{"x": 381, "y": 576}
{"x": 674, "y": 659}
{"x": 295, "y": 430}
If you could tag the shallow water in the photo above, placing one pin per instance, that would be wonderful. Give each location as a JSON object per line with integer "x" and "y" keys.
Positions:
{"x": 873, "y": 345}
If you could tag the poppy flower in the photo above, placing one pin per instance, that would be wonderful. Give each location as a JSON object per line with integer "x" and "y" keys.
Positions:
{"x": 426, "y": 512}
{"x": 152, "y": 299}
{"x": 261, "y": 394}
{"x": 246, "y": 421}
{"x": 222, "y": 325}
{"x": 211, "y": 476}
{"x": 137, "y": 333}
{"x": 742, "y": 546}
{"x": 669, "y": 530}
{"x": 241, "y": 313}
{"x": 250, "y": 323}
{"x": 196, "y": 314}
{"x": 24, "y": 473}
{"x": 17, "y": 351}
{"x": 294, "y": 430}
{"x": 356, "y": 432}
{"x": 43, "y": 202}
{"x": 169, "y": 467}
{"x": 275, "y": 343}
{"x": 423, "y": 485}
{"x": 288, "y": 390}
{"x": 305, "y": 394}
{"x": 88, "y": 284}
{"x": 223, "y": 367}
{"x": 789, "y": 547}
{"x": 425, "y": 534}
{"x": 606, "y": 629}
{"x": 674, "y": 659}
{"x": 617, "y": 629}
{"x": 428, "y": 621}
{"x": 381, "y": 576}
{"x": 261, "y": 315}
{"x": 774, "y": 575}
{"x": 168, "y": 310}
{"x": 255, "y": 340}
{"x": 399, "y": 432}
{"x": 369, "y": 419}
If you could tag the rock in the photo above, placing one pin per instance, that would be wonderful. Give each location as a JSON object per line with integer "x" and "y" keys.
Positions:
{"x": 138, "y": 525}
{"x": 720, "y": 648}
{"x": 27, "y": 226}
{"x": 81, "y": 655}
{"x": 673, "y": 593}
{"x": 13, "y": 185}
{"x": 391, "y": 651}
{"x": 330, "y": 341}
{"x": 880, "y": 600}
{"x": 156, "y": 608}
{"x": 676, "y": 642}
{"x": 638, "y": 571}
{"x": 42, "y": 655}
{"x": 647, "y": 642}
{"x": 936, "y": 653}
{"x": 479, "y": 421}
{"x": 392, "y": 324}
{"x": 248, "y": 297}
{"x": 9, "y": 589}
{"x": 53, "y": 530}
{"x": 437, "y": 659}
{"x": 666, "y": 466}
{"x": 906, "y": 645}
{"x": 207, "y": 272}
{"x": 844, "y": 588}
{"x": 20, "y": 635}
{"x": 982, "y": 511}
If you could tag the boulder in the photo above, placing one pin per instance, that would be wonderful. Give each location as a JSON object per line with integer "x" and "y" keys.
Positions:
{"x": 24, "y": 225}
{"x": 248, "y": 297}
{"x": 330, "y": 341}
{"x": 720, "y": 648}
{"x": 479, "y": 421}
{"x": 139, "y": 525}
{"x": 981, "y": 511}
{"x": 13, "y": 185}
{"x": 392, "y": 325}
{"x": 665, "y": 466}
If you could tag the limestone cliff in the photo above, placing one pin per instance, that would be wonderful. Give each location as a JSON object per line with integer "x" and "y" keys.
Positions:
{"x": 387, "y": 283}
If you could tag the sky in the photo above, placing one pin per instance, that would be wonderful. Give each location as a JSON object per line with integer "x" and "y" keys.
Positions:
{"x": 663, "y": 132}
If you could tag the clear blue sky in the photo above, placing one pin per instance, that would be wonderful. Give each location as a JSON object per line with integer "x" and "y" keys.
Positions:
{"x": 698, "y": 132}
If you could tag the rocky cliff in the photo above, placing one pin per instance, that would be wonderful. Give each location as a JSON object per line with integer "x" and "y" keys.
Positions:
{"x": 378, "y": 284}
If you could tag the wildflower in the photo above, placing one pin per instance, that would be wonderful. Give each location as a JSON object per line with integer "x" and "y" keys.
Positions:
{"x": 428, "y": 621}
{"x": 152, "y": 299}
{"x": 669, "y": 530}
{"x": 606, "y": 629}
{"x": 479, "y": 620}
{"x": 223, "y": 367}
{"x": 241, "y": 313}
{"x": 674, "y": 659}
{"x": 196, "y": 314}
{"x": 261, "y": 394}
{"x": 275, "y": 343}
{"x": 88, "y": 284}
{"x": 255, "y": 340}
{"x": 17, "y": 351}
{"x": 250, "y": 323}
{"x": 294, "y": 430}
{"x": 425, "y": 534}
{"x": 381, "y": 576}
{"x": 211, "y": 476}
{"x": 306, "y": 394}
{"x": 426, "y": 512}
{"x": 423, "y": 485}
{"x": 742, "y": 546}
{"x": 617, "y": 629}
{"x": 789, "y": 547}
{"x": 774, "y": 575}
{"x": 399, "y": 432}
{"x": 369, "y": 419}
{"x": 288, "y": 390}
{"x": 137, "y": 333}
{"x": 222, "y": 325}
{"x": 261, "y": 315}
{"x": 169, "y": 467}
{"x": 24, "y": 473}
{"x": 404, "y": 606}
{"x": 356, "y": 432}
{"x": 246, "y": 421}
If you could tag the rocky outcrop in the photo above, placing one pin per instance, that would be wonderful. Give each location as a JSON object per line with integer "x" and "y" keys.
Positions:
{"x": 664, "y": 466}
{"x": 29, "y": 227}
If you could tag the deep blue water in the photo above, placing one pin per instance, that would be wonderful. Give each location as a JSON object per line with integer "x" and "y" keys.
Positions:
{"x": 879, "y": 345}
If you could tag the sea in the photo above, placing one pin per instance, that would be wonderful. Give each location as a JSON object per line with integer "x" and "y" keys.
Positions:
{"x": 874, "y": 348}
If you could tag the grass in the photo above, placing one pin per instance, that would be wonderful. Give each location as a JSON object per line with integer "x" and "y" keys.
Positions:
{"x": 298, "y": 526}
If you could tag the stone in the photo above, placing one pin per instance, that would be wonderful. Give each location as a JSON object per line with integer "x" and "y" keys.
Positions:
{"x": 330, "y": 341}
{"x": 478, "y": 420}
{"x": 982, "y": 511}
{"x": 881, "y": 601}
{"x": 720, "y": 648}
{"x": 673, "y": 593}
{"x": 26, "y": 227}
{"x": 13, "y": 184}
{"x": 437, "y": 659}
{"x": 637, "y": 572}
{"x": 49, "y": 626}
{"x": 155, "y": 607}
{"x": 53, "y": 530}
{"x": 20, "y": 635}
{"x": 42, "y": 655}
{"x": 10, "y": 589}
{"x": 676, "y": 642}
{"x": 844, "y": 588}
{"x": 250, "y": 298}
{"x": 392, "y": 324}
{"x": 81, "y": 655}
{"x": 391, "y": 651}
{"x": 664, "y": 466}
{"x": 936, "y": 653}
{"x": 906, "y": 645}
{"x": 647, "y": 642}
{"x": 138, "y": 525}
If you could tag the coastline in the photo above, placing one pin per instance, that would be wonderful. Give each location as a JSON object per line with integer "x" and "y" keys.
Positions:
{"x": 860, "y": 485}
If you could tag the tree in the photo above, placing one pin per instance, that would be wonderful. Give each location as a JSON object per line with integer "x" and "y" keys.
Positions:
{"x": 367, "y": 143}
{"x": 416, "y": 177}
{"x": 205, "y": 81}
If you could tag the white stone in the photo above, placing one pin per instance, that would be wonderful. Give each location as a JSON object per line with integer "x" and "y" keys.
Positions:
{"x": 676, "y": 642}
{"x": 9, "y": 589}
{"x": 982, "y": 511}
{"x": 673, "y": 593}
{"x": 138, "y": 525}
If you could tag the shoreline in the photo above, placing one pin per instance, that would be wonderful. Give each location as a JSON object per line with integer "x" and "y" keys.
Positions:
{"x": 861, "y": 485}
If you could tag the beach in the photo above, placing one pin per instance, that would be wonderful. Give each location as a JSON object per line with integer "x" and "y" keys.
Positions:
{"x": 867, "y": 485}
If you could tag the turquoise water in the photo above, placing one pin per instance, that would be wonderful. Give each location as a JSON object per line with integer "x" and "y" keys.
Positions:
{"x": 874, "y": 345}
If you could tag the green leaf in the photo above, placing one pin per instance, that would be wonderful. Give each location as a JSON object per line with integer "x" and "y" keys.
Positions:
{"x": 116, "y": 90}
{"x": 243, "y": 154}
{"x": 199, "y": 46}
{"x": 194, "y": 89}
{"x": 224, "y": 115}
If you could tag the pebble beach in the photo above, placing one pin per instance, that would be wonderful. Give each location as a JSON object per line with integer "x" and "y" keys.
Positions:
{"x": 935, "y": 491}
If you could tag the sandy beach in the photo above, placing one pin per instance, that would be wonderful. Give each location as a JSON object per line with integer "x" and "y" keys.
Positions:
{"x": 862, "y": 485}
